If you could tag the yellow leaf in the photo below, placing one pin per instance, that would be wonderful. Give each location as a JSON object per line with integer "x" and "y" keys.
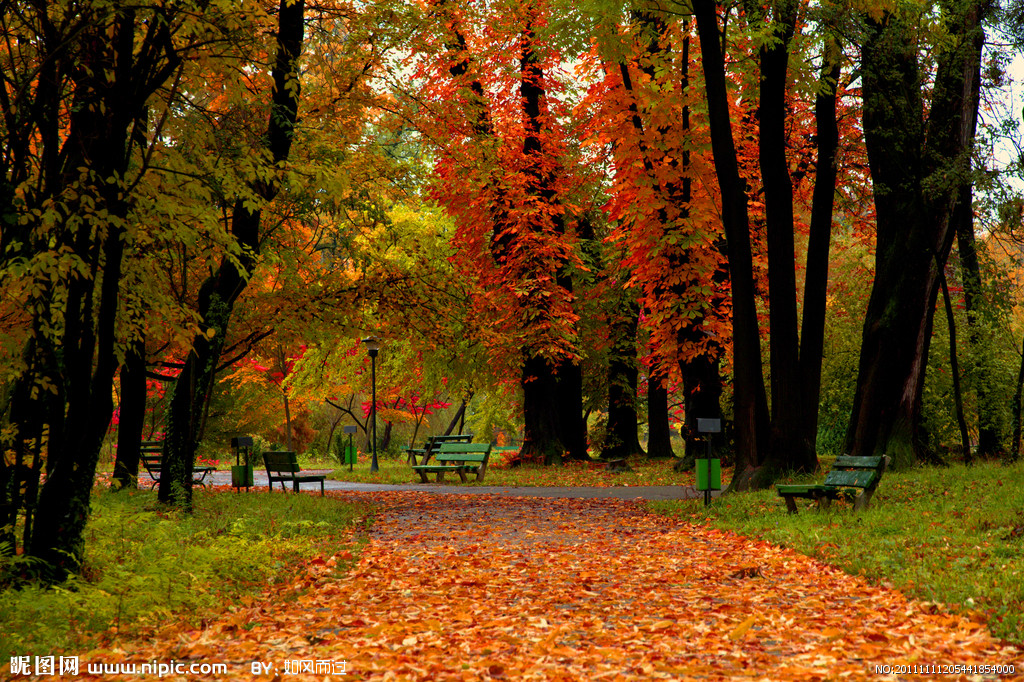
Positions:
{"x": 742, "y": 628}
{"x": 832, "y": 634}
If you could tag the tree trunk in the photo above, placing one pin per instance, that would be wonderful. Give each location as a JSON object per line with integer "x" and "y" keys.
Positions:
{"x": 561, "y": 436}
{"x": 541, "y": 424}
{"x": 218, "y": 294}
{"x": 1018, "y": 408}
{"x": 702, "y": 385}
{"x": 622, "y": 439}
{"x": 573, "y": 425}
{"x": 110, "y": 87}
{"x": 458, "y": 416}
{"x": 812, "y": 333}
{"x": 132, "y": 416}
{"x": 954, "y": 368}
{"x": 917, "y": 172}
{"x": 750, "y": 405}
{"x": 659, "y": 434}
{"x": 789, "y": 447}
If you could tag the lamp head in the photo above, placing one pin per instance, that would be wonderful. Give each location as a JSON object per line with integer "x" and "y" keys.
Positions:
{"x": 372, "y": 345}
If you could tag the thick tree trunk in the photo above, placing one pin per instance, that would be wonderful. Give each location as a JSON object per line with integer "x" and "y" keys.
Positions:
{"x": 110, "y": 88}
{"x": 917, "y": 172}
{"x": 218, "y": 294}
{"x": 789, "y": 446}
{"x": 659, "y": 434}
{"x": 563, "y": 379}
{"x": 132, "y": 416}
{"x": 750, "y": 406}
{"x": 541, "y": 424}
{"x": 573, "y": 425}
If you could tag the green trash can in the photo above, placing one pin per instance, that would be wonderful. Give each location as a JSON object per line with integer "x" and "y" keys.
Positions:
{"x": 242, "y": 475}
{"x": 709, "y": 474}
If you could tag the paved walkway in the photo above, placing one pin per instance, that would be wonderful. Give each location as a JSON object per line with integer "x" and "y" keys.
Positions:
{"x": 473, "y": 588}
{"x": 644, "y": 492}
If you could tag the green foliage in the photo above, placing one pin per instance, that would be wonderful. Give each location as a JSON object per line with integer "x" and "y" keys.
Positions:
{"x": 145, "y": 564}
{"x": 848, "y": 296}
{"x": 949, "y": 535}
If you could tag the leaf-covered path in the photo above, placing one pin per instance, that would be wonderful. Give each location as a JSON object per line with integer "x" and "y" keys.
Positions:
{"x": 479, "y": 587}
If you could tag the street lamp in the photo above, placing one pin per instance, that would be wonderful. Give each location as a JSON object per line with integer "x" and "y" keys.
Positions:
{"x": 372, "y": 346}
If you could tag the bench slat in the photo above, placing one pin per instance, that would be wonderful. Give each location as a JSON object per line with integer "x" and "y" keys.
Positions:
{"x": 852, "y": 479}
{"x": 850, "y": 462}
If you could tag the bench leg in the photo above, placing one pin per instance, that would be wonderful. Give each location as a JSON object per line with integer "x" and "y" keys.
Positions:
{"x": 481, "y": 471}
{"x": 790, "y": 504}
{"x": 462, "y": 475}
{"x": 440, "y": 477}
{"x": 824, "y": 502}
{"x": 321, "y": 488}
{"x": 423, "y": 475}
{"x": 860, "y": 503}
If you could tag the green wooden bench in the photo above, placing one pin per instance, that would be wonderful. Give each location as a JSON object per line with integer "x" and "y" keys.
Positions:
{"x": 461, "y": 458}
{"x": 854, "y": 478}
{"x": 433, "y": 444}
{"x": 283, "y": 466}
{"x": 151, "y": 456}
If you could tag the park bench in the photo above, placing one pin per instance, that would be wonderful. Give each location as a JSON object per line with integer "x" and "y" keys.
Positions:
{"x": 461, "y": 458}
{"x": 283, "y": 466}
{"x": 151, "y": 455}
{"x": 854, "y": 478}
{"x": 433, "y": 443}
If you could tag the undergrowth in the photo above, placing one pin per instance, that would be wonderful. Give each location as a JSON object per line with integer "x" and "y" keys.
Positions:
{"x": 146, "y": 564}
{"x": 953, "y": 536}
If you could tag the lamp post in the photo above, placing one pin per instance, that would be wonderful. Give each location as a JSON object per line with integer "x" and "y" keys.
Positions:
{"x": 372, "y": 346}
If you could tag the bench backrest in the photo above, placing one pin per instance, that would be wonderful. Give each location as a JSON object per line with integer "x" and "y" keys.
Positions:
{"x": 464, "y": 452}
{"x": 435, "y": 442}
{"x": 151, "y": 460}
{"x": 855, "y": 472}
{"x": 281, "y": 460}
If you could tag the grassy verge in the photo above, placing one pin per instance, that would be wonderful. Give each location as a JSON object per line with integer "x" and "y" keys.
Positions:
{"x": 953, "y": 536}
{"x": 145, "y": 564}
{"x": 644, "y": 472}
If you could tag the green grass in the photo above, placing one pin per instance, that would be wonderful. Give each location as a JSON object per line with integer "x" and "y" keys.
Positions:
{"x": 953, "y": 536}
{"x": 145, "y": 564}
{"x": 645, "y": 472}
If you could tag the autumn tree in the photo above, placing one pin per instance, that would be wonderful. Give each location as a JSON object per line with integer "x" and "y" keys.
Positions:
{"x": 219, "y": 293}
{"x": 918, "y": 165}
{"x": 85, "y": 94}
{"x": 514, "y": 223}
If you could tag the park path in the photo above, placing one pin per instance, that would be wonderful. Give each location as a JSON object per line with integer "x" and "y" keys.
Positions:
{"x": 492, "y": 587}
